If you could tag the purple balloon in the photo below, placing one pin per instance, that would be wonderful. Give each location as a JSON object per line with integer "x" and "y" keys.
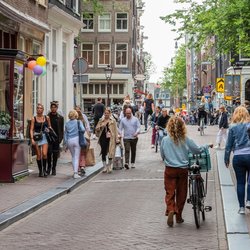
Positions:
{"x": 20, "y": 70}
{"x": 38, "y": 70}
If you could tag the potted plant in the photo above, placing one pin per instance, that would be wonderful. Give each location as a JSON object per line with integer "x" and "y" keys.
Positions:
{"x": 4, "y": 124}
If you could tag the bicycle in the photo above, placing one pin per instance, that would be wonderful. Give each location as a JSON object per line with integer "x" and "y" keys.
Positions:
{"x": 202, "y": 126}
{"x": 197, "y": 186}
{"x": 157, "y": 138}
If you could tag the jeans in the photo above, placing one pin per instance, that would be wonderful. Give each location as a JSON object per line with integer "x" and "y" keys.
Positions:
{"x": 130, "y": 144}
{"x": 242, "y": 167}
{"x": 146, "y": 114}
{"x": 75, "y": 149}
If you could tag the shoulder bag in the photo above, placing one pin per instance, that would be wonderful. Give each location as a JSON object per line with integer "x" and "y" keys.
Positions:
{"x": 82, "y": 140}
{"x": 37, "y": 136}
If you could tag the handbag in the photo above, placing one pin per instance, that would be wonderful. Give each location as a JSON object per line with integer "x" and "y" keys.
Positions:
{"x": 90, "y": 157}
{"x": 118, "y": 152}
{"x": 38, "y": 136}
{"x": 82, "y": 140}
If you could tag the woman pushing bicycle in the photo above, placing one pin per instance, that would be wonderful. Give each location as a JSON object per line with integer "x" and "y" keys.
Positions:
{"x": 174, "y": 150}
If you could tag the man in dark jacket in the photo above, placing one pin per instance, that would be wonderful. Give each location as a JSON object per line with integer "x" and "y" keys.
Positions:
{"x": 223, "y": 126}
{"x": 162, "y": 123}
{"x": 98, "y": 111}
{"x": 57, "y": 124}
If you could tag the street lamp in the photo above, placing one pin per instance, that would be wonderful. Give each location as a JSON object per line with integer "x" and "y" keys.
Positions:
{"x": 108, "y": 74}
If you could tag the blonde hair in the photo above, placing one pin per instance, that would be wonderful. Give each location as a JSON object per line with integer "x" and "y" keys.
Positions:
{"x": 177, "y": 129}
{"x": 73, "y": 114}
{"x": 40, "y": 105}
{"x": 222, "y": 108}
{"x": 240, "y": 115}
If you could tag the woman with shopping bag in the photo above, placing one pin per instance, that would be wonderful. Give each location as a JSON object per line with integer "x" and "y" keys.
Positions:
{"x": 107, "y": 132}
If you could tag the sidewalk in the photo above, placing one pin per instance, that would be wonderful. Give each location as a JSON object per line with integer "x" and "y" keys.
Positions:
{"x": 237, "y": 226}
{"x": 30, "y": 193}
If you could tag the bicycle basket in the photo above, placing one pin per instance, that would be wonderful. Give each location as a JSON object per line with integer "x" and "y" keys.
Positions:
{"x": 203, "y": 159}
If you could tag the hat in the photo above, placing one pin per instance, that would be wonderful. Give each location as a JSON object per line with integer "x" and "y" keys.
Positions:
{"x": 54, "y": 103}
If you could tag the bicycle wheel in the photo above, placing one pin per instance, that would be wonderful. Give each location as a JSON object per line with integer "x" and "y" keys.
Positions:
{"x": 156, "y": 142}
{"x": 201, "y": 199}
{"x": 196, "y": 203}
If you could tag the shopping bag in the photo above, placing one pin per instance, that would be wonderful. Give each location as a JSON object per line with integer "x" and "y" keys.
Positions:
{"x": 118, "y": 152}
{"x": 90, "y": 157}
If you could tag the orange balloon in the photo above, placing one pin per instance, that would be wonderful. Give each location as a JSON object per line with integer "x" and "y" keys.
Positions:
{"x": 31, "y": 64}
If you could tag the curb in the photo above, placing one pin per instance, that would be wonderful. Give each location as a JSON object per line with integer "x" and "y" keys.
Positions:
{"x": 236, "y": 226}
{"x": 24, "y": 209}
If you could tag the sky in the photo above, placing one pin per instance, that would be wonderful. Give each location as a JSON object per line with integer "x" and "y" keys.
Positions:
{"x": 160, "y": 43}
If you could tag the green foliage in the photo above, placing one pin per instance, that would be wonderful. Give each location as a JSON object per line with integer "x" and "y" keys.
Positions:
{"x": 227, "y": 20}
{"x": 149, "y": 65}
{"x": 175, "y": 76}
{"x": 4, "y": 118}
{"x": 94, "y": 5}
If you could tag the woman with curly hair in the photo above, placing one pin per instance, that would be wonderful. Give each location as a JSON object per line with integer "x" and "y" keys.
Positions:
{"x": 238, "y": 142}
{"x": 174, "y": 150}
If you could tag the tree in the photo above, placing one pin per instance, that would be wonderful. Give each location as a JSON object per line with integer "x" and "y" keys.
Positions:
{"x": 95, "y": 5}
{"x": 227, "y": 20}
{"x": 175, "y": 76}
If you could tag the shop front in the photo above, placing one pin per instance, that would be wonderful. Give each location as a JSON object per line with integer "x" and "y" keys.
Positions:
{"x": 13, "y": 145}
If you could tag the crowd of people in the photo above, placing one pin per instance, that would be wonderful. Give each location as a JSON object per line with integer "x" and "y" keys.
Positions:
{"x": 123, "y": 130}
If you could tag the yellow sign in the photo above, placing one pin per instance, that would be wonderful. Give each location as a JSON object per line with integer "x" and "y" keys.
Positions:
{"x": 220, "y": 85}
{"x": 228, "y": 98}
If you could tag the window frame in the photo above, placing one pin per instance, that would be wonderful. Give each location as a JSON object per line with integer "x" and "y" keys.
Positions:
{"x": 106, "y": 63}
{"x": 121, "y": 19}
{"x": 121, "y": 65}
{"x": 88, "y": 19}
{"x": 110, "y": 22}
{"x": 93, "y": 53}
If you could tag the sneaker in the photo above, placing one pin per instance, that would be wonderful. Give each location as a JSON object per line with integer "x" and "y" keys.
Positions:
{"x": 152, "y": 146}
{"x": 132, "y": 165}
{"x": 241, "y": 210}
{"x": 248, "y": 204}
{"x": 76, "y": 176}
{"x": 126, "y": 166}
{"x": 94, "y": 137}
{"x": 217, "y": 147}
{"x": 83, "y": 171}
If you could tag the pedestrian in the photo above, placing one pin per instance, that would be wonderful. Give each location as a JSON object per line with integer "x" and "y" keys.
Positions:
{"x": 38, "y": 125}
{"x": 130, "y": 129}
{"x": 84, "y": 120}
{"x": 238, "y": 142}
{"x": 57, "y": 124}
{"x": 162, "y": 123}
{"x": 202, "y": 114}
{"x": 161, "y": 104}
{"x": 107, "y": 132}
{"x": 174, "y": 150}
{"x": 223, "y": 126}
{"x": 154, "y": 120}
{"x": 98, "y": 111}
{"x": 71, "y": 140}
{"x": 148, "y": 109}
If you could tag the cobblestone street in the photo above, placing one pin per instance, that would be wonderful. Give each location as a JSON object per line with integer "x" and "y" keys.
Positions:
{"x": 122, "y": 210}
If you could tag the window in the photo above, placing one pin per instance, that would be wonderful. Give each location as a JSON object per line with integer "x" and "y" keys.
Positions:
{"x": 105, "y": 23}
{"x": 91, "y": 90}
{"x": 21, "y": 43}
{"x": 73, "y": 5}
{"x": 54, "y": 45}
{"x": 84, "y": 89}
{"x": 121, "y": 52}
{"x": 104, "y": 54}
{"x": 97, "y": 90}
{"x": 115, "y": 89}
{"x": 47, "y": 47}
{"x": 121, "y": 22}
{"x": 103, "y": 88}
{"x": 121, "y": 89}
{"x": 88, "y": 20}
{"x": 88, "y": 53}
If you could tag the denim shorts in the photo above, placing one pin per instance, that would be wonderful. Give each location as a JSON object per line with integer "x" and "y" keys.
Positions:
{"x": 43, "y": 141}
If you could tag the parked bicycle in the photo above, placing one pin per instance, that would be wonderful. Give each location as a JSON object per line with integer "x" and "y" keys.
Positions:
{"x": 157, "y": 137}
{"x": 197, "y": 186}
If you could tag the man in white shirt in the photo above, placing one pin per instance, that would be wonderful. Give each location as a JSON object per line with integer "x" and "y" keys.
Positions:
{"x": 130, "y": 128}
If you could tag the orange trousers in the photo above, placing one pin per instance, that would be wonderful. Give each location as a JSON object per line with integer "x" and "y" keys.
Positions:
{"x": 175, "y": 182}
